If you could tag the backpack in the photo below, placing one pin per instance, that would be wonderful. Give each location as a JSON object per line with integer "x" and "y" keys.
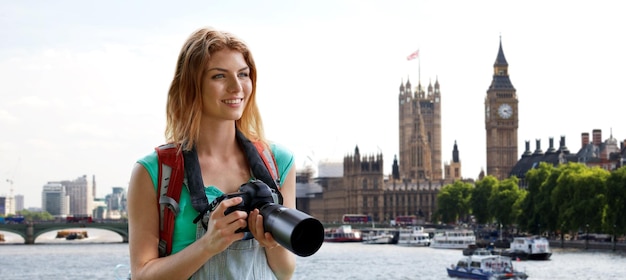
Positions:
{"x": 171, "y": 162}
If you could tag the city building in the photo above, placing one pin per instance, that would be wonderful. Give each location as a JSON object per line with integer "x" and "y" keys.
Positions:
{"x": 420, "y": 132}
{"x": 417, "y": 170}
{"x": 81, "y": 194}
{"x": 116, "y": 203}
{"x": 501, "y": 120}
{"x": 55, "y": 200}
{"x": 453, "y": 168}
{"x": 7, "y": 206}
{"x": 19, "y": 202}
{"x": 100, "y": 210}
{"x": 359, "y": 186}
{"x": 608, "y": 154}
{"x": 77, "y": 198}
{"x": 7, "y": 202}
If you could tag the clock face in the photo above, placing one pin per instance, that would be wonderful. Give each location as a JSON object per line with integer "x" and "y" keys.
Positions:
{"x": 505, "y": 111}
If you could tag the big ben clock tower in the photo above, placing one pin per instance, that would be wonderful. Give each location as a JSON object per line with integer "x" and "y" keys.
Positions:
{"x": 501, "y": 120}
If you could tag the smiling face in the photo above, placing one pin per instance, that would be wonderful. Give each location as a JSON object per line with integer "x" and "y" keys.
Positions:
{"x": 226, "y": 86}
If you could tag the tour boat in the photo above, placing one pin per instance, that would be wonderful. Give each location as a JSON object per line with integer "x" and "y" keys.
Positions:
{"x": 344, "y": 233}
{"x": 380, "y": 236}
{"x": 413, "y": 236}
{"x": 75, "y": 235}
{"x": 485, "y": 266}
{"x": 528, "y": 248}
{"x": 453, "y": 239}
{"x": 71, "y": 234}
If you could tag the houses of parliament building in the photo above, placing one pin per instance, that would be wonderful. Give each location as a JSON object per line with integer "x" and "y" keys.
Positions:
{"x": 359, "y": 185}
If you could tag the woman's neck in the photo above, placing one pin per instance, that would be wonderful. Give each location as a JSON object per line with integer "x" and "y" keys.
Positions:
{"x": 217, "y": 139}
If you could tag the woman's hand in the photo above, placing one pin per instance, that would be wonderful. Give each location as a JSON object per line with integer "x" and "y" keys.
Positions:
{"x": 255, "y": 224}
{"x": 222, "y": 229}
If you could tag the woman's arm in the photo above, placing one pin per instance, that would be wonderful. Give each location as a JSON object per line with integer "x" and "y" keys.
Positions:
{"x": 143, "y": 226}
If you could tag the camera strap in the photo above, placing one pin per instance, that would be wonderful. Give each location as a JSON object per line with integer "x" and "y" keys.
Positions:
{"x": 193, "y": 174}
{"x": 258, "y": 167}
{"x": 259, "y": 164}
{"x": 211, "y": 207}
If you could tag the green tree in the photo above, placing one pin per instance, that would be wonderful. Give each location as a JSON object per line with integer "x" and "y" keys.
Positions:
{"x": 536, "y": 209}
{"x": 480, "y": 199}
{"x": 35, "y": 216}
{"x": 548, "y": 218}
{"x": 504, "y": 200}
{"x": 593, "y": 196}
{"x": 453, "y": 202}
{"x": 580, "y": 196}
{"x": 615, "y": 220}
{"x": 562, "y": 196}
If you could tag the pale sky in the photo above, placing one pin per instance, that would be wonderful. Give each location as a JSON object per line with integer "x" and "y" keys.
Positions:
{"x": 83, "y": 84}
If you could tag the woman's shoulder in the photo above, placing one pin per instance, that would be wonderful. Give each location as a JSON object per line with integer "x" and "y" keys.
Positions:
{"x": 284, "y": 158}
{"x": 281, "y": 151}
{"x": 148, "y": 159}
{"x": 151, "y": 163}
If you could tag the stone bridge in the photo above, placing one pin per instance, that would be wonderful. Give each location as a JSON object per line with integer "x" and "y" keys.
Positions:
{"x": 30, "y": 231}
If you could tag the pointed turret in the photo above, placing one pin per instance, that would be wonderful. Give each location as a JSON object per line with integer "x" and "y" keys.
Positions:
{"x": 501, "y": 72}
{"x": 408, "y": 85}
{"x": 395, "y": 169}
{"x": 455, "y": 153}
{"x": 500, "y": 59}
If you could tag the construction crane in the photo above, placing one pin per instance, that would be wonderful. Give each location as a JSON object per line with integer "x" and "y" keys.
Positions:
{"x": 10, "y": 204}
{"x": 11, "y": 188}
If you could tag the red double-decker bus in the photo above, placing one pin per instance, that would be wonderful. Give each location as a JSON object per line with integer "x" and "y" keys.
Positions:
{"x": 79, "y": 219}
{"x": 406, "y": 220}
{"x": 356, "y": 218}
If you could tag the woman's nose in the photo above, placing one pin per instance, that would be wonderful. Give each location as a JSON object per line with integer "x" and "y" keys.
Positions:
{"x": 234, "y": 85}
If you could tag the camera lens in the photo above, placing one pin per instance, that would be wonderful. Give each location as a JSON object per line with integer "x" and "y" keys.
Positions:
{"x": 294, "y": 230}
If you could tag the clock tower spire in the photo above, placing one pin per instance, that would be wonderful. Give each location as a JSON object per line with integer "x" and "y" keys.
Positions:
{"x": 501, "y": 120}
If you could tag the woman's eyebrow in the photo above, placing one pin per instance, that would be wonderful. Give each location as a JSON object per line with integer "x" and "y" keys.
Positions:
{"x": 226, "y": 70}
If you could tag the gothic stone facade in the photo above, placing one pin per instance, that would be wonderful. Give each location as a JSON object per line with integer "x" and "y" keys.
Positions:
{"x": 418, "y": 176}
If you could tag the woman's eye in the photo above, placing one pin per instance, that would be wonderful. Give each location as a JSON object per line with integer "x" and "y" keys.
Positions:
{"x": 218, "y": 76}
{"x": 244, "y": 74}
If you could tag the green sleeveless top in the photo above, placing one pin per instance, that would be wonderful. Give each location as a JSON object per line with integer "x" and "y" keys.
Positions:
{"x": 184, "y": 228}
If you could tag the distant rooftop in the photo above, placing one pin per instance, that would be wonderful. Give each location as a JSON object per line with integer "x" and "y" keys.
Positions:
{"x": 329, "y": 169}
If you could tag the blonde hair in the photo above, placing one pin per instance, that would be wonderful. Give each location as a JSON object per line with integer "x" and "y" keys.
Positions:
{"x": 184, "y": 99}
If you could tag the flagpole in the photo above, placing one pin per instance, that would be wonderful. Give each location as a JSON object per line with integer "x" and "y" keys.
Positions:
{"x": 419, "y": 70}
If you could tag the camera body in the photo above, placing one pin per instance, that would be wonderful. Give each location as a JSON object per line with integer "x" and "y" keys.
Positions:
{"x": 255, "y": 195}
{"x": 295, "y": 230}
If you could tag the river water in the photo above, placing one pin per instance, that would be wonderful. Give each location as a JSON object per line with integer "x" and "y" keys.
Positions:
{"x": 89, "y": 258}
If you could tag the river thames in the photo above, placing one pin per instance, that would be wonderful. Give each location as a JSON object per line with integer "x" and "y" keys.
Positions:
{"x": 90, "y": 258}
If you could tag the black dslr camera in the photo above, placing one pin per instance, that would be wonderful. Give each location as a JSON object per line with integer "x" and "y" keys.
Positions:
{"x": 255, "y": 194}
{"x": 293, "y": 229}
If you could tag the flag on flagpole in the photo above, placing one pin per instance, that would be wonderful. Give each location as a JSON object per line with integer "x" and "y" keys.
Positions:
{"x": 413, "y": 55}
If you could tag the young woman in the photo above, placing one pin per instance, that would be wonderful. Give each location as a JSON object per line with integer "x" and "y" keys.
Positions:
{"x": 212, "y": 95}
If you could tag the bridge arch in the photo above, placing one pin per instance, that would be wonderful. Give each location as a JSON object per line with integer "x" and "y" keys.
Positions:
{"x": 18, "y": 232}
{"x": 30, "y": 231}
{"x": 122, "y": 233}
